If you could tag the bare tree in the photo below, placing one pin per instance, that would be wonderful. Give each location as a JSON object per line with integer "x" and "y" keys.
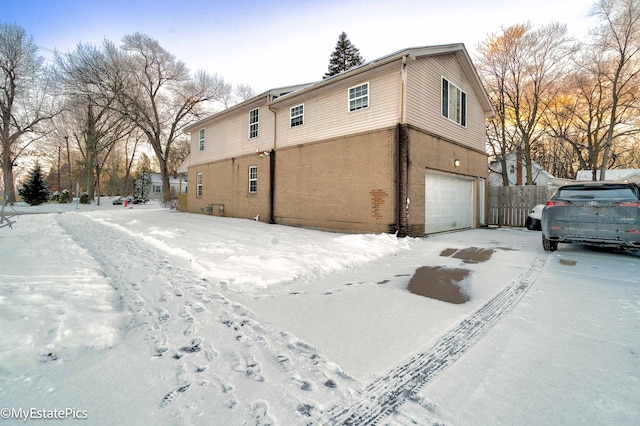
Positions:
{"x": 97, "y": 126}
{"x": 493, "y": 64}
{"x": 618, "y": 38}
{"x": 25, "y": 98}
{"x": 158, "y": 93}
{"x": 244, "y": 92}
{"x": 540, "y": 61}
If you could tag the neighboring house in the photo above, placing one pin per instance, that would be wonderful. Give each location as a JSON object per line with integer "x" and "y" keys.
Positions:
{"x": 539, "y": 175}
{"x": 394, "y": 145}
{"x": 155, "y": 187}
{"x": 629, "y": 175}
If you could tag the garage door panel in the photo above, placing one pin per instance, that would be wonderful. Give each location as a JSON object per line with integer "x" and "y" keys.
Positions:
{"x": 448, "y": 203}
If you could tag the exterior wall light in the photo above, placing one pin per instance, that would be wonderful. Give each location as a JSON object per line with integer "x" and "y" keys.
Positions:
{"x": 456, "y": 163}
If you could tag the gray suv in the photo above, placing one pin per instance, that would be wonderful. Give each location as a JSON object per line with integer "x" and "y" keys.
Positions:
{"x": 605, "y": 214}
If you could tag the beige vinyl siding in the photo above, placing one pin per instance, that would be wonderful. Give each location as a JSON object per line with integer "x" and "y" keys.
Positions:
{"x": 326, "y": 110}
{"x": 424, "y": 91}
{"x": 228, "y": 136}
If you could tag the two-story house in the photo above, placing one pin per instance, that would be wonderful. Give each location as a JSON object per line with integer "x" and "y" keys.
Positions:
{"x": 394, "y": 145}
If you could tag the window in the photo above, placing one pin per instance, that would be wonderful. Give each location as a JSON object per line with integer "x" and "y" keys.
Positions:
{"x": 297, "y": 115}
{"x": 199, "y": 185}
{"x": 156, "y": 188}
{"x": 359, "y": 97}
{"x": 202, "y": 137}
{"x": 454, "y": 103}
{"x": 253, "y": 178}
{"x": 253, "y": 123}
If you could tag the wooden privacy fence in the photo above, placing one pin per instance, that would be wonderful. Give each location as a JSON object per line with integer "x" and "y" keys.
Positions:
{"x": 510, "y": 205}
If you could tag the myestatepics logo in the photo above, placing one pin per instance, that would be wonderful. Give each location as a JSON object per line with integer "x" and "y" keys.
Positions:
{"x": 42, "y": 413}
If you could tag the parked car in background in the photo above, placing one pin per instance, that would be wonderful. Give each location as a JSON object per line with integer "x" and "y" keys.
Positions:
{"x": 533, "y": 219}
{"x": 605, "y": 214}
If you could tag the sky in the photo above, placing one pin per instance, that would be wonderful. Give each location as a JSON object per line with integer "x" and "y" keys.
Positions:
{"x": 270, "y": 44}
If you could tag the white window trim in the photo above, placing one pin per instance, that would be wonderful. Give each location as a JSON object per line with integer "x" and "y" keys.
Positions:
{"x": 256, "y": 124}
{"x": 199, "y": 185}
{"x": 291, "y": 117}
{"x": 253, "y": 179}
{"x": 367, "y": 96}
{"x": 463, "y": 105}
{"x": 202, "y": 138}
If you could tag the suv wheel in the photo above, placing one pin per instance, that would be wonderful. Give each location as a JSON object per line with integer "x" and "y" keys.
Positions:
{"x": 549, "y": 245}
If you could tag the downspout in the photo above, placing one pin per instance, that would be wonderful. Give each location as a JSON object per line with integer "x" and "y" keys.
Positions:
{"x": 272, "y": 167}
{"x": 272, "y": 182}
{"x": 398, "y": 209}
{"x": 398, "y": 148}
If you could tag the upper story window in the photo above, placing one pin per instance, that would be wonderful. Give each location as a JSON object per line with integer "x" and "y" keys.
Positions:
{"x": 199, "y": 184}
{"x": 253, "y": 123}
{"x": 202, "y": 139}
{"x": 359, "y": 97}
{"x": 253, "y": 179}
{"x": 297, "y": 115}
{"x": 454, "y": 103}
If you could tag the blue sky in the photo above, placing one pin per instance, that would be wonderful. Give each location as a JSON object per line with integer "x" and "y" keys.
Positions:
{"x": 269, "y": 44}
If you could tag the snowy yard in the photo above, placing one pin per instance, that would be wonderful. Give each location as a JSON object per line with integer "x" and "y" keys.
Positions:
{"x": 145, "y": 315}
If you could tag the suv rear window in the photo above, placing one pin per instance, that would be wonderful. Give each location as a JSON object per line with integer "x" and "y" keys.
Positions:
{"x": 600, "y": 192}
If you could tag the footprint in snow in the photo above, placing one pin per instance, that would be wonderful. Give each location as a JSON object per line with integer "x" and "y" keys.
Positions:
{"x": 174, "y": 394}
{"x": 260, "y": 412}
{"x": 193, "y": 346}
{"x": 285, "y": 363}
{"x": 249, "y": 366}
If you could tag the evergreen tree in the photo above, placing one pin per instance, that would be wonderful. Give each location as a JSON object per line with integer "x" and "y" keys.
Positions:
{"x": 141, "y": 185}
{"x": 344, "y": 57}
{"x": 36, "y": 190}
{"x": 142, "y": 182}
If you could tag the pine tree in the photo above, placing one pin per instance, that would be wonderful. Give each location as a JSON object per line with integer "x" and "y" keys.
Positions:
{"x": 36, "y": 190}
{"x": 344, "y": 57}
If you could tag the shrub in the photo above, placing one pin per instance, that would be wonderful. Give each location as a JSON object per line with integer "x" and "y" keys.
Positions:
{"x": 65, "y": 197}
{"x": 84, "y": 198}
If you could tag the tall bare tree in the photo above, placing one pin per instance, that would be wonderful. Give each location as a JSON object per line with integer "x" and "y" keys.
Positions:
{"x": 25, "y": 98}
{"x": 521, "y": 68}
{"x": 493, "y": 64}
{"x": 159, "y": 94}
{"x": 97, "y": 125}
{"x": 618, "y": 38}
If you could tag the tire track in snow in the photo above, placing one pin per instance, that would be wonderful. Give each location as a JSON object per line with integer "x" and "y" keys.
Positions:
{"x": 384, "y": 395}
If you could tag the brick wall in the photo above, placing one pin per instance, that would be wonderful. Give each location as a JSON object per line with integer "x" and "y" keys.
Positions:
{"x": 430, "y": 153}
{"x": 342, "y": 183}
{"x": 226, "y": 183}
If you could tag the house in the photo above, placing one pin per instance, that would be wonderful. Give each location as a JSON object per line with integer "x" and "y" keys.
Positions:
{"x": 394, "y": 145}
{"x": 629, "y": 175}
{"x": 178, "y": 185}
{"x": 539, "y": 175}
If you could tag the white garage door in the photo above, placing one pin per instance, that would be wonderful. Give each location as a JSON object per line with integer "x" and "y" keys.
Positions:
{"x": 448, "y": 203}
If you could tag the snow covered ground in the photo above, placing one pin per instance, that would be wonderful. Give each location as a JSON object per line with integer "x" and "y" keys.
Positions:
{"x": 144, "y": 315}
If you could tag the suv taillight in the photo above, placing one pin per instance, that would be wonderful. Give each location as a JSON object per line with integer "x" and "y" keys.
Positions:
{"x": 628, "y": 204}
{"x": 552, "y": 203}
